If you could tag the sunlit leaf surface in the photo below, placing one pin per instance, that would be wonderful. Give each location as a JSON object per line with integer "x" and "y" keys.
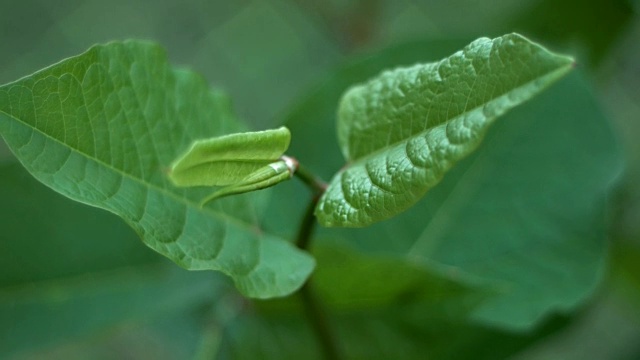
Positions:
{"x": 102, "y": 128}
{"x": 526, "y": 209}
{"x": 403, "y": 130}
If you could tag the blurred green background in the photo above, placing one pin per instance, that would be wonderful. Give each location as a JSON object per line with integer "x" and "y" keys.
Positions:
{"x": 267, "y": 55}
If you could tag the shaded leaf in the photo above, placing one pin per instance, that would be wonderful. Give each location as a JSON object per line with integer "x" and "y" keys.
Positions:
{"x": 171, "y": 335}
{"x": 372, "y": 335}
{"x": 345, "y": 281}
{"x": 398, "y": 310}
{"x": 570, "y": 24}
{"x": 62, "y": 238}
{"x": 37, "y": 315}
{"x": 74, "y": 272}
{"x": 402, "y": 131}
{"x": 101, "y": 127}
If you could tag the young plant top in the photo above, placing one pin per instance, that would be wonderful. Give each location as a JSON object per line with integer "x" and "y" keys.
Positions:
{"x": 120, "y": 129}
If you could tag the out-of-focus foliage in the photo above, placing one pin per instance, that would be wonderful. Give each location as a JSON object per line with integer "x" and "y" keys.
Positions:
{"x": 89, "y": 289}
{"x": 69, "y": 271}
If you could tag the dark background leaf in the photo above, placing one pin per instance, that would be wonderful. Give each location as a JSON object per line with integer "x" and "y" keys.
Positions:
{"x": 73, "y": 272}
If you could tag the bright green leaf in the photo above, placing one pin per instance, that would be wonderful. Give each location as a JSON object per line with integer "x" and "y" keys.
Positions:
{"x": 402, "y": 131}
{"x": 102, "y": 127}
{"x": 228, "y": 159}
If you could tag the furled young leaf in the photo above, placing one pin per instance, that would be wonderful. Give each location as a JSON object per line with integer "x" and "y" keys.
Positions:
{"x": 344, "y": 281}
{"x": 102, "y": 127}
{"x": 267, "y": 176}
{"x": 228, "y": 159}
{"x": 402, "y": 131}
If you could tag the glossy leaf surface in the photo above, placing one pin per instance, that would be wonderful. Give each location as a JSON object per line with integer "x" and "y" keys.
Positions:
{"x": 403, "y": 130}
{"x": 102, "y": 127}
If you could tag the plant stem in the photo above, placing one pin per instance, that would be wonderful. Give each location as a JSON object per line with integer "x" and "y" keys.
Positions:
{"x": 303, "y": 239}
{"x": 312, "y": 309}
{"x": 313, "y": 182}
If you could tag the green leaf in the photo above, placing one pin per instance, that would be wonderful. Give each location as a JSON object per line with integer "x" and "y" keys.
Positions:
{"x": 55, "y": 243}
{"x": 402, "y": 131}
{"x": 170, "y": 335}
{"x": 344, "y": 281}
{"x": 379, "y": 334}
{"x": 570, "y": 24}
{"x": 100, "y": 128}
{"x": 37, "y": 315}
{"x": 525, "y": 210}
{"x": 228, "y": 159}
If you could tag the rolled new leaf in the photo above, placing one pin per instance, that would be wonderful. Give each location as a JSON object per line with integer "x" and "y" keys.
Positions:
{"x": 262, "y": 178}
{"x": 229, "y": 159}
{"x": 403, "y": 130}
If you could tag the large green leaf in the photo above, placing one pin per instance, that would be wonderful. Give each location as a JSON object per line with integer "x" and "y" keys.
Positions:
{"x": 526, "y": 209}
{"x": 62, "y": 238}
{"x": 533, "y": 204}
{"x": 101, "y": 128}
{"x": 402, "y": 131}
{"x": 344, "y": 282}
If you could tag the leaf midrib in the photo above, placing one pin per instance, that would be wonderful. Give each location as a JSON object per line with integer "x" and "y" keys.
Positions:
{"x": 361, "y": 160}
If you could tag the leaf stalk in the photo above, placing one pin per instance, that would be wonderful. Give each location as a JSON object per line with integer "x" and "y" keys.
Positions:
{"x": 312, "y": 308}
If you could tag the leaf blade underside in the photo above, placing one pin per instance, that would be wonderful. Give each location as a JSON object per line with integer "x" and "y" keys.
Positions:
{"x": 100, "y": 128}
{"x": 402, "y": 131}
